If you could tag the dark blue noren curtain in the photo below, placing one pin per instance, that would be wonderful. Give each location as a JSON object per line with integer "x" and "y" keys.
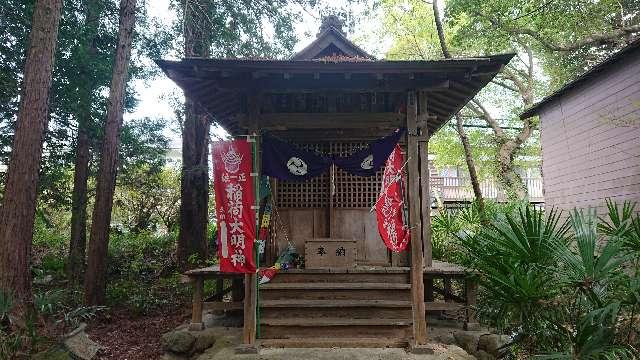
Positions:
{"x": 286, "y": 162}
{"x": 366, "y": 162}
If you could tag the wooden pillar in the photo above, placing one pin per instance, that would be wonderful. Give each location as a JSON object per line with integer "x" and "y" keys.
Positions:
{"x": 413, "y": 192}
{"x": 219, "y": 289}
{"x": 237, "y": 289}
{"x": 470, "y": 290}
{"x": 425, "y": 189}
{"x": 250, "y": 280}
{"x": 447, "y": 289}
{"x": 196, "y": 314}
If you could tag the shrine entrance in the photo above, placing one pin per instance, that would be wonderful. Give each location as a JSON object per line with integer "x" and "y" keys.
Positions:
{"x": 333, "y": 207}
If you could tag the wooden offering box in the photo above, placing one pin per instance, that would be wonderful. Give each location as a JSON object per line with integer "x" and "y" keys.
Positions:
{"x": 325, "y": 253}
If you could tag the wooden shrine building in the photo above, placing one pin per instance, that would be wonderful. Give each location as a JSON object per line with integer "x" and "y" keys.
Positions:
{"x": 333, "y": 97}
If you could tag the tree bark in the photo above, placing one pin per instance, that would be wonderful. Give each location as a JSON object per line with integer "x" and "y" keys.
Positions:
{"x": 77, "y": 244}
{"x": 471, "y": 166}
{"x": 95, "y": 278}
{"x": 507, "y": 148}
{"x": 466, "y": 146}
{"x": 194, "y": 184}
{"x": 19, "y": 204}
{"x": 440, "y": 30}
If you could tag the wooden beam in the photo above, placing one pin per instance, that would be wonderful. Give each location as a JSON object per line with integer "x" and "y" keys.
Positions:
{"x": 425, "y": 190}
{"x": 289, "y": 82}
{"x": 315, "y": 135}
{"x": 250, "y": 280}
{"x": 417, "y": 259}
{"x": 285, "y": 121}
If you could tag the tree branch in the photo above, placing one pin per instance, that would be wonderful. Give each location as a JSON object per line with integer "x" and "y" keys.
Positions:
{"x": 443, "y": 43}
{"x": 481, "y": 111}
{"x": 504, "y": 85}
{"x": 595, "y": 39}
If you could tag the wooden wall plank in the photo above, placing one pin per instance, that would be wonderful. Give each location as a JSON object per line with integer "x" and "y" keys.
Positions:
{"x": 589, "y": 140}
{"x": 349, "y": 224}
{"x": 376, "y": 252}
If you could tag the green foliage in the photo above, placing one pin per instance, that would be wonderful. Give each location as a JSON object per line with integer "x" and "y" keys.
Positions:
{"x": 589, "y": 269}
{"x": 238, "y": 30}
{"x": 559, "y": 286}
{"x": 145, "y": 297}
{"x": 73, "y": 317}
{"x": 594, "y": 337}
{"x": 48, "y": 302}
{"x": 623, "y": 224}
{"x": 495, "y": 26}
{"x": 514, "y": 255}
{"x": 148, "y": 200}
{"x": 141, "y": 256}
{"x": 449, "y": 223}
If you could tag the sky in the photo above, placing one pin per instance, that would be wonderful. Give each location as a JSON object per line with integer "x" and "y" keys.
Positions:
{"x": 152, "y": 94}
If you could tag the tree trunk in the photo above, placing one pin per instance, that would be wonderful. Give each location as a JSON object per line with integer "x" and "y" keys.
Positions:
{"x": 19, "y": 204}
{"x": 510, "y": 179}
{"x": 77, "y": 245}
{"x": 95, "y": 278}
{"x": 466, "y": 146}
{"x": 194, "y": 184}
{"x": 471, "y": 166}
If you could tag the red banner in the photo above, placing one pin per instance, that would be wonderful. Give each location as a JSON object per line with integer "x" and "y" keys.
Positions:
{"x": 389, "y": 208}
{"x": 234, "y": 200}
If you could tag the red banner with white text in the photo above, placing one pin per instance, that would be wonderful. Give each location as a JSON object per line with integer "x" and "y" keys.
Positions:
{"x": 390, "y": 205}
{"x": 234, "y": 200}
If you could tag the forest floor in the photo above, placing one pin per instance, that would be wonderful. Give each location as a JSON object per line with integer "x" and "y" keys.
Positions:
{"x": 134, "y": 338}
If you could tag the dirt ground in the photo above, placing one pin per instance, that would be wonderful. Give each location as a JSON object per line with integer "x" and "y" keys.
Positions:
{"x": 229, "y": 337}
{"x": 139, "y": 338}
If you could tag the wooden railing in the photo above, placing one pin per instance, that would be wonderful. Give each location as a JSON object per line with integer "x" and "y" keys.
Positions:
{"x": 448, "y": 188}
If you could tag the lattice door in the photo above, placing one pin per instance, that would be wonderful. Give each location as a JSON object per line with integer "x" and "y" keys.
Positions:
{"x": 347, "y": 190}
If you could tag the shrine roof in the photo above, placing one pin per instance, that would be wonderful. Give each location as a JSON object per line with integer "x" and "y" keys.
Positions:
{"x": 219, "y": 85}
{"x": 331, "y": 64}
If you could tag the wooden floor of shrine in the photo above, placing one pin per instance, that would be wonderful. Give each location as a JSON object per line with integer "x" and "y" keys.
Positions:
{"x": 365, "y": 306}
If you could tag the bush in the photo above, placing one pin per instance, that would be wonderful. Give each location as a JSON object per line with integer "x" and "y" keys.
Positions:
{"x": 141, "y": 256}
{"x": 559, "y": 286}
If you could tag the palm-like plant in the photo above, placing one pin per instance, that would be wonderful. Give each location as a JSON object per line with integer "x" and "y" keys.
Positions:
{"x": 514, "y": 257}
{"x": 528, "y": 238}
{"x": 622, "y": 224}
{"x": 586, "y": 267}
{"x": 594, "y": 337}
